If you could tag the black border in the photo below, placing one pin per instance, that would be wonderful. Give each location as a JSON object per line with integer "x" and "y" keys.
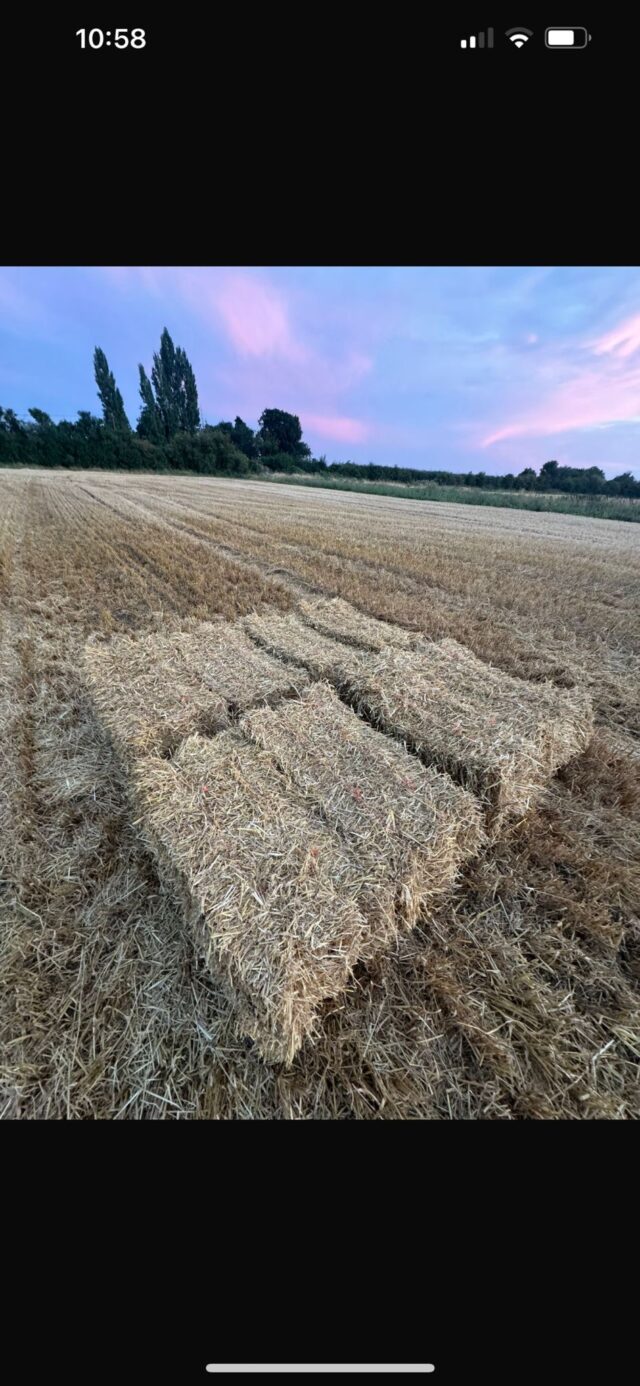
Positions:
{"x": 494, "y": 1252}
{"x": 270, "y": 140}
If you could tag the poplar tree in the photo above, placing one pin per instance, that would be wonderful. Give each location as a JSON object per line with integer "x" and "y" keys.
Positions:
{"x": 163, "y": 379}
{"x": 175, "y": 389}
{"x": 150, "y": 422}
{"x": 188, "y": 393}
{"x": 113, "y": 411}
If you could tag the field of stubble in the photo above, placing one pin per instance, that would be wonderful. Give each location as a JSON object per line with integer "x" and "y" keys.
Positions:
{"x": 519, "y": 999}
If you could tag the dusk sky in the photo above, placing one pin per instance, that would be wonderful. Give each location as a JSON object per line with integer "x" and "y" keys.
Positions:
{"x": 467, "y": 369}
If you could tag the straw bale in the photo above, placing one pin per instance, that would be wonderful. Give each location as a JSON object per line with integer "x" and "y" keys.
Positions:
{"x": 231, "y": 664}
{"x": 154, "y": 691}
{"x": 499, "y": 736}
{"x": 290, "y": 639}
{"x": 409, "y": 826}
{"x": 269, "y": 887}
{"x": 147, "y": 697}
{"x": 337, "y": 618}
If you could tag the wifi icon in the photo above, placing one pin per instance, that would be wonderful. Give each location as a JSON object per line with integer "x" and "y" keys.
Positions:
{"x": 519, "y": 36}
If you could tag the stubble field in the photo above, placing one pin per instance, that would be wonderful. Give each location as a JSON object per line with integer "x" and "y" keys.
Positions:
{"x": 517, "y": 998}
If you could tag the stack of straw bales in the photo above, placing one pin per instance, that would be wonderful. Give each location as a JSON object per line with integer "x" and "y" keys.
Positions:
{"x": 304, "y": 840}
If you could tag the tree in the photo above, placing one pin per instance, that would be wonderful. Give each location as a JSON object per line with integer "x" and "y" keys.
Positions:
{"x": 88, "y": 427}
{"x": 188, "y": 411}
{"x": 527, "y": 479}
{"x": 150, "y": 423}
{"x": 593, "y": 479}
{"x": 14, "y": 438}
{"x": 241, "y": 435}
{"x": 210, "y": 451}
{"x": 280, "y": 432}
{"x": 623, "y": 485}
{"x": 112, "y": 402}
{"x": 549, "y": 476}
{"x": 43, "y": 420}
{"x": 47, "y": 441}
{"x": 163, "y": 379}
{"x": 176, "y": 392}
{"x": 10, "y": 421}
{"x": 244, "y": 438}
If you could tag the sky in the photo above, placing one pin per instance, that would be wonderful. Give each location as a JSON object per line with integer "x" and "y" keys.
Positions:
{"x": 463, "y": 368}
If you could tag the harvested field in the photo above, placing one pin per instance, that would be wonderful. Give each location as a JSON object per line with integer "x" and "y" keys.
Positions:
{"x": 501, "y": 737}
{"x": 154, "y": 691}
{"x": 409, "y": 827}
{"x": 516, "y": 997}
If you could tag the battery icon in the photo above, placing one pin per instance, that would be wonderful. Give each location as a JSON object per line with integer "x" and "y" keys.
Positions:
{"x": 567, "y": 38}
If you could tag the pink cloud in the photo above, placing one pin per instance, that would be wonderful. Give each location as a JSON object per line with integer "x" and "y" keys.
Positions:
{"x": 274, "y": 360}
{"x": 622, "y": 341}
{"x": 584, "y": 402}
{"x": 257, "y": 321}
{"x": 254, "y": 314}
{"x": 339, "y": 429}
{"x": 592, "y": 397}
{"x": 256, "y": 318}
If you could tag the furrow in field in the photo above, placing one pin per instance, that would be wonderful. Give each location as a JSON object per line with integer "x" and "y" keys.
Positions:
{"x": 235, "y": 557}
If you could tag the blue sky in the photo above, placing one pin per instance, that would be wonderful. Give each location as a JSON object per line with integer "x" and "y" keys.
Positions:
{"x": 475, "y": 368}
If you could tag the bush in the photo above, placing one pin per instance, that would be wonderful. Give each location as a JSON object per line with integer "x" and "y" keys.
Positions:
{"x": 210, "y": 452}
{"x": 280, "y": 462}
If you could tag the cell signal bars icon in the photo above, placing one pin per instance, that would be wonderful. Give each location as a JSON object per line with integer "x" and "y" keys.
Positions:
{"x": 478, "y": 40}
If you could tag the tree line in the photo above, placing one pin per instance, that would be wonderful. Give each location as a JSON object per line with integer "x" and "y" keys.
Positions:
{"x": 590, "y": 481}
{"x": 170, "y": 436}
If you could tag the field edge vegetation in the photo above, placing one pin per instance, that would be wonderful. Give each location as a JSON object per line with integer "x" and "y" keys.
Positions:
{"x": 590, "y": 507}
